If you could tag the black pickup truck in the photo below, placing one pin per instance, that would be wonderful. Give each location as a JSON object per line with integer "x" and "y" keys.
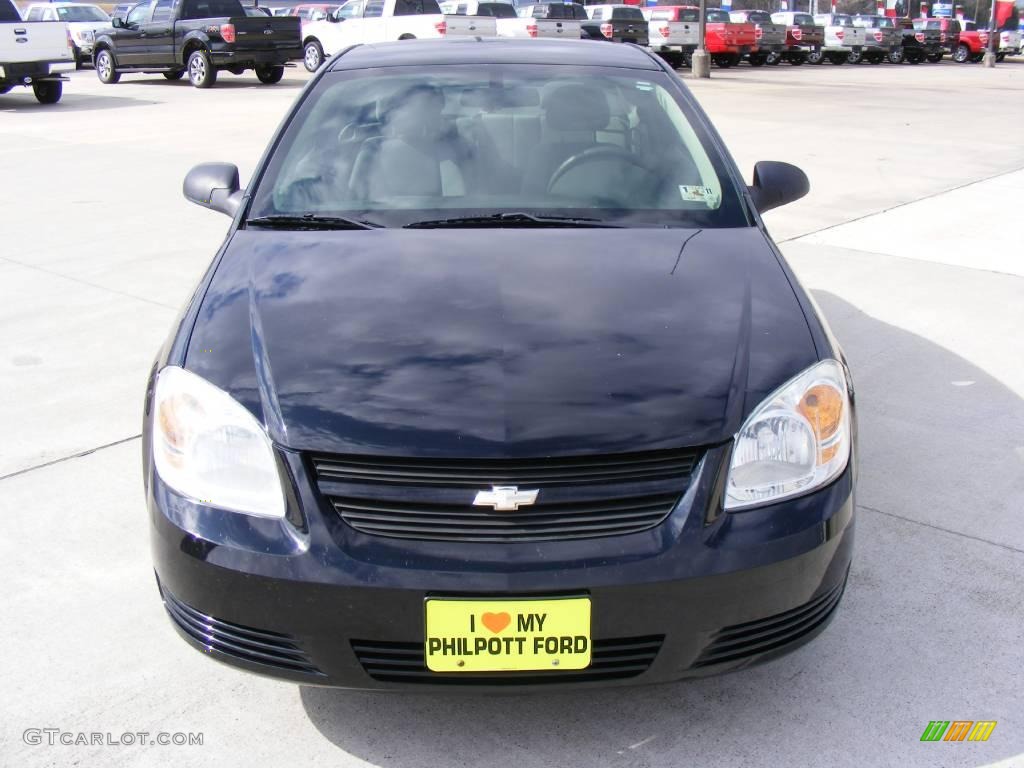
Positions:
{"x": 618, "y": 23}
{"x": 200, "y": 37}
{"x": 919, "y": 43}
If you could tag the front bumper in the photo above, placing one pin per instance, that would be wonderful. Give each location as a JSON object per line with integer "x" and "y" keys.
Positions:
{"x": 316, "y": 602}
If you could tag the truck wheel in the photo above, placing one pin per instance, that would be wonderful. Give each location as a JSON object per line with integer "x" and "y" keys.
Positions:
{"x": 48, "y": 91}
{"x": 897, "y": 57}
{"x": 313, "y": 56}
{"x": 815, "y": 57}
{"x": 961, "y": 54}
{"x": 1000, "y": 56}
{"x": 853, "y": 58}
{"x": 106, "y": 70}
{"x": 268, "y": 75}
{"x": 200, "y": 69}
{"x": 773, "y": 58}
{"x": 934, "y": 58}
{"x": 174, "y": 74}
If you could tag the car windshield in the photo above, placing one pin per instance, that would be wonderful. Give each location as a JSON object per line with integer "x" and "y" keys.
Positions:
{"x": 81, "y": 13}
{"x": 759, "y": 17}
{"x": 498, "y": 10}
{"x": 717, "y": 16}
{"x": 803, "y": 19}
{"x": 842, "y": 21}
{"x": 400, "y": 145}
{"x": 627, "y": 14}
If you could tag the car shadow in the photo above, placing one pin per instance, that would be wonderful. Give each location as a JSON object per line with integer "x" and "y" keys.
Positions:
{"x": 224, "y": 82}
{"x": 22, "y": 100}
{"x": 929, "y": 627}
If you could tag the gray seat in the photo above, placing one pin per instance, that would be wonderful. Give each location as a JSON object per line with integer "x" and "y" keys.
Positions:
{"x": 573, "y": 115}
{"x": 417, "y": 156}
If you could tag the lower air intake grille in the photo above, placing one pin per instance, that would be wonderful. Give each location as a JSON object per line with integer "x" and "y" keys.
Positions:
{"x": 404, "y": 663}
{"x": 257, "y": 646}
{"x": 753, "y": 638}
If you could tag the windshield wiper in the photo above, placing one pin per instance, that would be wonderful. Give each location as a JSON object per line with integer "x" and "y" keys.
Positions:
{"x": 509, "y": 220}
{"x": 309, "y": 221}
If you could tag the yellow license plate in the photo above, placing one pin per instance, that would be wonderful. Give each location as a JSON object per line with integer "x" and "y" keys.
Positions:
{"x": 507, "y": 635}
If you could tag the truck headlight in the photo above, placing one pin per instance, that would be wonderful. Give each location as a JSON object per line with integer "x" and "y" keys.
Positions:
{"x": 796, "y": 440}
{"x": 208, "y": 447}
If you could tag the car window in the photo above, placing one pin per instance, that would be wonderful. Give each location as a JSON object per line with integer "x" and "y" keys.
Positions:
{"x": 759, "y": 17}
{"x": 162, "y": 11}
{"x": 374, "y": 9}
{"x": 138, "y": 14}
{"x": 842, "y": 21}
{"x": 400, "y": 144}
{"x": 597, "y": 13}
{"x": 415, "y": 7}
{"x": 80, "y": 13}
{"x": 211, "y": 9}
{"x": 803, "y": 19}
{"x": 352, "y": 10}
{"x": 627, "y": 14}
{"x": 717, "y": 17}
{"x": 497, "y": 10}
{"x": 34, "y": 14}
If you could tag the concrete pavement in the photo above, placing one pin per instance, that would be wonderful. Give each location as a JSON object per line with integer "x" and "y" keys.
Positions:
{"x": 100, "y": 250}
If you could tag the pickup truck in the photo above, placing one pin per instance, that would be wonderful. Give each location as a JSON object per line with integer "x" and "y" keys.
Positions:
{"x": 726, "y": 41}
{"x": 673, "y": 33}
{"x": 553, "y": 21}
{"x": 34, "y": 53}
{"x": 921, "y": 42}
{"x": 974, "y": 42}
{"x": 200, "y": 37}
{"x": 83, "y": 19}
{"x": 618, "y": 23}
{"x": 948, "y": 31}
{"x": 841, "y": 38}
{"x": 769, "y": 37}
{"x": 881, "y": 38}
{"x": 803, "y": 37}
{"x": 378, "y": 21}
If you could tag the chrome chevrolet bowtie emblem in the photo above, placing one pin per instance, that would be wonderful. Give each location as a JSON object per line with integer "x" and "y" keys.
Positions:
{"x": 504, "y": 498}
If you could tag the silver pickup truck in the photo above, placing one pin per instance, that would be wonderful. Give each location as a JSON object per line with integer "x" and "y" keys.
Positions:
{"x": 881, "y": 38}
{"x": 841, "y": 38}
{"x": 673, "y": 33}
{"x": 770, "y": 38}
{"x": 34, "y": 54}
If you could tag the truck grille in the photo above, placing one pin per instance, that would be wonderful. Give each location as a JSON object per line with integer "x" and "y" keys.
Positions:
{"x": 404, "y": 663}
{"x": 432, "y": 499}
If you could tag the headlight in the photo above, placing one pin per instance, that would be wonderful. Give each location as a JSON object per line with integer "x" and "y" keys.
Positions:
{"x": 210, "y": 448}
{"x": 796, "y": 440}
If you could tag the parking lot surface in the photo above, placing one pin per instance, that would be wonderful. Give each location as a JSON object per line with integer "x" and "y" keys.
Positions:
{"x": 909, "y": 241}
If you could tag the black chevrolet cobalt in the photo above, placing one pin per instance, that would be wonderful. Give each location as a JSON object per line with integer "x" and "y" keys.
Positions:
{"x": 497, "y": 380}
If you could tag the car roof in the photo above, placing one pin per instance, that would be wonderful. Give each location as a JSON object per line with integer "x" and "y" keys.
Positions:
{"x": 495, "y": 50}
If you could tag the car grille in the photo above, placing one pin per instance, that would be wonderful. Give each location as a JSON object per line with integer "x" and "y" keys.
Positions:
{"x": 432, "y": 499}
{"x": 404, "y": 663}
{"x": 257, "y": 646}
{"x": 753, "y": 638}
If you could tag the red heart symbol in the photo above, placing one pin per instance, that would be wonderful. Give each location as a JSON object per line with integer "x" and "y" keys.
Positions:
{"x": 495, "y": 621}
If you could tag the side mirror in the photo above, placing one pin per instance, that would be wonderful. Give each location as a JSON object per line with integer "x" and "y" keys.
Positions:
{"x": 214, "y": 186}
{"x": 117, "y": 22}
{"x": 777, "y": 184}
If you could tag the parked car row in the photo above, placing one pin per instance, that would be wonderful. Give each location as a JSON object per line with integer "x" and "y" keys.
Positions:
{"x": 201, "y": 38}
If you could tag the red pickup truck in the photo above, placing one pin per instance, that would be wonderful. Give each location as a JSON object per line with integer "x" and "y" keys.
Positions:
{"x": 726, "y": 41}
{"x": 974, "y": 42}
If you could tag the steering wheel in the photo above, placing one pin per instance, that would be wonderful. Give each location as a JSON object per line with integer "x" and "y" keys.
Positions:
{"x": 600, "y": 153}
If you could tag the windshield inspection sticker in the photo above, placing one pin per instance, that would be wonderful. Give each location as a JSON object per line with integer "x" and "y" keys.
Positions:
{"x": 697, "y": 194}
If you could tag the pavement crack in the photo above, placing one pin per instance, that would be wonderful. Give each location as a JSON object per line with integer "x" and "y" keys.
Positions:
{"x": 940, "y": 528}
{"x": 78, "y": 455}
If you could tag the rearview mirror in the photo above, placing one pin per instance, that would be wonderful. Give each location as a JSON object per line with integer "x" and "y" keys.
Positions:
{"x": 777, "y": 184}
{"x": 116, "y": 22}
{"x": 214, "y": 186}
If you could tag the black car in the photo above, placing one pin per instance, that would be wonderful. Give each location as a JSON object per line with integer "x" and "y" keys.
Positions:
{"x": 447, "y": 411}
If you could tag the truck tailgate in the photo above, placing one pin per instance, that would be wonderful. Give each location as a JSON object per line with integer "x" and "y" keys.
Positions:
{"x": 557, "y": 28}
{"x": 264, "y": 33}
{"x": 470, "y": 26}
{"x": 22, "y": 42}
{"x": 673, "y": 33}
{"x": 770, "y": 34}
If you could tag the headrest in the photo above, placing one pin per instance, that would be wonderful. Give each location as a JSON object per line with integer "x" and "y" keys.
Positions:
{"x": 576, "y": 108}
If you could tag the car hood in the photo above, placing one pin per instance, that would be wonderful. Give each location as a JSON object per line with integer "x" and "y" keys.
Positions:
{"x": 494, "y": 343}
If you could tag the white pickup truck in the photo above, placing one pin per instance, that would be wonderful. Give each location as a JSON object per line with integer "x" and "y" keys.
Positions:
{"x": 841, "y": 38}
{"x": 546, "y": 20}
{"x": 673, "y": 33}
{"x": 33, "y": 53}
{"x": 378, "y": 21}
